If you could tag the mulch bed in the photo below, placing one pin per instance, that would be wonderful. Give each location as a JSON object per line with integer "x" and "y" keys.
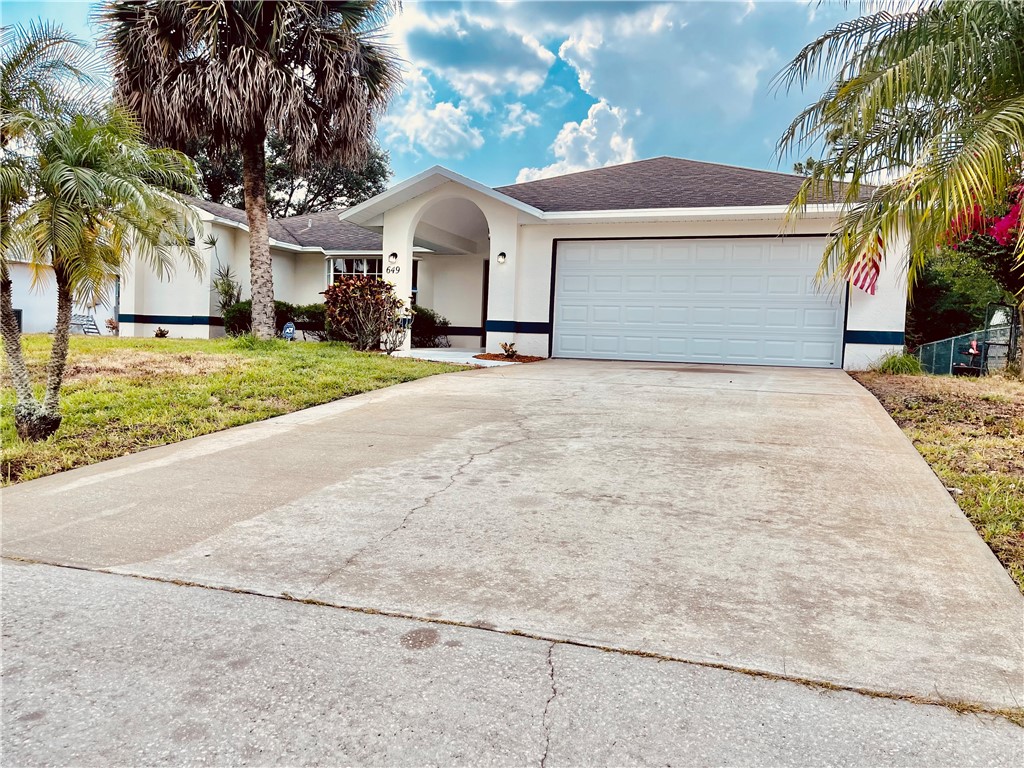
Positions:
{"x": 516, "y": 359}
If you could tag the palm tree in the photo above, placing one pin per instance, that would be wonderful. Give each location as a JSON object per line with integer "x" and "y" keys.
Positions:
{"x": 926, "y": 95}
{"x": 312, "y": 71}
{"x": 99, "y": 196}
{"x": 42, "y": 72}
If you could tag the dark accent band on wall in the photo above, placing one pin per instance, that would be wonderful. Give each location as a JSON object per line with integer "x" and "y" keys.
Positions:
{"x": 171, "y": 319}
{"x": 462, "y": 330}
{"x": 515, "y": 326}
{"x": 874, "y": 337}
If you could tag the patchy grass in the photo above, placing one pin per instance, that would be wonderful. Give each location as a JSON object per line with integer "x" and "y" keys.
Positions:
{"x": 971, "y": 432}
{"x": 124, "y": 395}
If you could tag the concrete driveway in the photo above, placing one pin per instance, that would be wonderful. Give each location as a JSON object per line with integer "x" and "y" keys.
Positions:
{"x": 563, "y": 562}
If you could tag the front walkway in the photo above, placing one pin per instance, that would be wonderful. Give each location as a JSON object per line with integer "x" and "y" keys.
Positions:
{"x": 536, "y": 563}
{"x": 456, "y": 355}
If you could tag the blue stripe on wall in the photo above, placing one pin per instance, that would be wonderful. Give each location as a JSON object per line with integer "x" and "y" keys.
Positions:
{"x": 514, "y": 326}
{"x": 462, "y": 330}
{"x": 171, "y": 319}
{"x": 894, "y": 338}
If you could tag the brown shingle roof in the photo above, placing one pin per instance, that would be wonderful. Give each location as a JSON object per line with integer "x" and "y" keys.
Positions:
{"x": 314, "y": 230}
{"x": 661, "y": 182}
{"x": 325, "y": 230}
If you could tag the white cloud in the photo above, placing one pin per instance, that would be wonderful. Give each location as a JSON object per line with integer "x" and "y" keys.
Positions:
{"x": 517, "y": 119}
{"x": 480, "y": 58}
{"x": 655, "y": 60}
{"x": 416, "y": 122}
{"x": 596, "y": 141}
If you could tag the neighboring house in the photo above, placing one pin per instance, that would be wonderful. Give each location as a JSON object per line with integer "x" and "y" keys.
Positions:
{"x": 662, "y": 260}
{"x": 34, "y": 296}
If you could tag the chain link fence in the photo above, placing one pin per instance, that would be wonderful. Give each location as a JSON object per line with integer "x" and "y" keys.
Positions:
{"x": 974, "y": 354}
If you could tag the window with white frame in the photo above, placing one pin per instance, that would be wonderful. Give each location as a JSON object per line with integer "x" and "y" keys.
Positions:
{"x": 354, "y": 266}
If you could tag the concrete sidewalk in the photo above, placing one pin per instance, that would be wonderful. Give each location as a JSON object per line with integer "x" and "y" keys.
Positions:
{"x": 768, "y": 520}
{"x": 106, "y": 670}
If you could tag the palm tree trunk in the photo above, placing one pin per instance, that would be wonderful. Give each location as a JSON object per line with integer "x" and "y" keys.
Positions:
{"x": 261, "y": 275}
{"x": 31, "y": 419}
{"x": 59, "y": 350}
{"x": 12, "y": 340}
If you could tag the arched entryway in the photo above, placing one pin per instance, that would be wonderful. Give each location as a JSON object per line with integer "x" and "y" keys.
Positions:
{"x": 451, "y": 240}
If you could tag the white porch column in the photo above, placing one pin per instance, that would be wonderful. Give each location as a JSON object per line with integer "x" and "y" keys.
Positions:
{"x": 501, "y": 290}
{"x": 397, "y": 239}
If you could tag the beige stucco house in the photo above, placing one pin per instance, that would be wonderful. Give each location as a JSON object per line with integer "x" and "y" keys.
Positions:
{"x": 663, "y": 260}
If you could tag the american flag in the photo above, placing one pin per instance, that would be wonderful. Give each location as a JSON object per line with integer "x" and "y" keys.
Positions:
{"x": 864, "y": 272}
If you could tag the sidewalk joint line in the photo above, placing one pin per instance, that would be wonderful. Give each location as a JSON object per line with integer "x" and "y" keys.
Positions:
{"x": 1014, "y": 715}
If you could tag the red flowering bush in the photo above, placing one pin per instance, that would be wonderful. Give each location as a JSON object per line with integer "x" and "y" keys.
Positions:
{"x": 1002, "y": 227}
{"x": 364, "y": 310}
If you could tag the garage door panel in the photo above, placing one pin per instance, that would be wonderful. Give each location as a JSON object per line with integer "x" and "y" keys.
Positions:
{"x": 705, "y": 253}
{"x": 607, "y": 314}
{"x": 821, "y": 318}
{"x": 674, "y": 253}
{"x": 638, "y": 255}
{"x": 727, "y": 301}
{"x": 752, "y": 285}
{"x": 644, "y": 284}
{"x": 702, "y": 316}
{"x": 670, "y": 315}
{"x": 638, "y": 345}
{"x": 609, "y": 254}
{"x": 639, "y": 315}
{"x": 573, "y": 313}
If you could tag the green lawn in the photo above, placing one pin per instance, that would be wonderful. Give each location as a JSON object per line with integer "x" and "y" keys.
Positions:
{"x": 971, "y": 432}
{"x": 124, "y": 395}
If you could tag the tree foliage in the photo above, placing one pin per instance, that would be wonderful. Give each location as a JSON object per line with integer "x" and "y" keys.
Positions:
{"x": 314, "y": 72}
{"x": 291, "y": 191}
{"x": 929, "y": 95}
{"x": 98, "y": 196}
{"x": 952, "y": 295}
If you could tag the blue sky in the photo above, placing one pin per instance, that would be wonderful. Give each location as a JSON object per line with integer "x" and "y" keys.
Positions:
{"x": 507, "y": 91}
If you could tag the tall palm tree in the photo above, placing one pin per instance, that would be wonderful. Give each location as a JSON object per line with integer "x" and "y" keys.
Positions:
{"x": 313, "y": 71}
{"x": 43, "y": 71}
{"x": 927, "y": 95}
{"x": 99, "y": 196}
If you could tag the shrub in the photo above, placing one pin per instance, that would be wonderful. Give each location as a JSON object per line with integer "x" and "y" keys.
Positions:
{"x": 509, "y": 350}
{"x": 311, "y": 319}
{"x": 899, "y": 364}
{"x": 228, "y": 290}
{"x": 238, "y": 317}
{"x": 428, "y": 328}
{"x": 363, "y": 310}
{"x": 161, "y": 333}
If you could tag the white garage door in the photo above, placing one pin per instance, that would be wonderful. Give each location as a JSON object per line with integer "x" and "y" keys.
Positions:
{"x": 744, "y": 301}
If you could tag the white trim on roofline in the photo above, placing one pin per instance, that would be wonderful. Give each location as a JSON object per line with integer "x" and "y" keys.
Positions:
{"x": 369, "y": 214}
{"x": 366, "y": 212}
{"x": 720, "y": 213}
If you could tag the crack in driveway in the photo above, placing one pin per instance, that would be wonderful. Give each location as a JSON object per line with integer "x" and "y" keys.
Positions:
{"x": 546, "y": 719}
{"x": 452, "y": 479}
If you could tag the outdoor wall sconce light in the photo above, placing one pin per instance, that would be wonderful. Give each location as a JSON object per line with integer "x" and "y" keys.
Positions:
{"x": 502, "y": 257}
{"x": 392, "y": 258}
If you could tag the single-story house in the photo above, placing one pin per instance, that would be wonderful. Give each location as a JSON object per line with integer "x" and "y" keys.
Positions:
{"x": 663, "y": 260}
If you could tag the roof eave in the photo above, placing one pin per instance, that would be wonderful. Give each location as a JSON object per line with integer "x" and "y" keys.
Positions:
{"x": 370, "y": 213}
{"x": 721, "y": 213}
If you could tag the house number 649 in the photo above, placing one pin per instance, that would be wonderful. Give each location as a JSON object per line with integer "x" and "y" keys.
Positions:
{"x": 392, "y": 270}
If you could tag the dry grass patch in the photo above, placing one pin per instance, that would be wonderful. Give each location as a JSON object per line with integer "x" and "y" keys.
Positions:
{"x": 133, "y": 363}
{"x": 971, "y": 432}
